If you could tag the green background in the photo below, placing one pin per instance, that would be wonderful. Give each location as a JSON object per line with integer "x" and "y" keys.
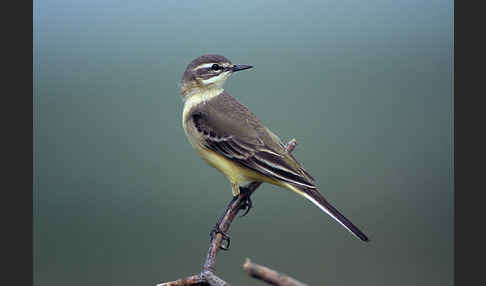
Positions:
{"x": 120, "y": 197}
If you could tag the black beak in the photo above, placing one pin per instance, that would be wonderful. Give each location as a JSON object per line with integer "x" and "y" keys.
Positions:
{"x": 240, "y": 67}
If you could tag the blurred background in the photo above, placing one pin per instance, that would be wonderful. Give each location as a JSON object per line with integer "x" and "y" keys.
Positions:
{"x": 121, "y": 198}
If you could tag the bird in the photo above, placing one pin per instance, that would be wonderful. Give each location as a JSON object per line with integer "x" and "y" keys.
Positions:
{"x": 230, "y": 138}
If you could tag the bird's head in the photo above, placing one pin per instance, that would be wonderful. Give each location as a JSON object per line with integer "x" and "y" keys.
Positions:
{"x": 208, "y": 72}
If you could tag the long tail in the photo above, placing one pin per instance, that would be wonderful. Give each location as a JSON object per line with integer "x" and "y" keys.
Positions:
{"x": 317, "y": 199}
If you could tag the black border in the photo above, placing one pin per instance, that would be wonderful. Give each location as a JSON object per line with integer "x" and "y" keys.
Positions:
{"x": 469, "y": 131}
{"x": 17, "y": 136}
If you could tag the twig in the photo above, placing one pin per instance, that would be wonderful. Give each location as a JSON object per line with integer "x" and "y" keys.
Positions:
{"x": 207, "y": 276}
{"x": 268, "y": 275}
{"x": 191, "y": 280}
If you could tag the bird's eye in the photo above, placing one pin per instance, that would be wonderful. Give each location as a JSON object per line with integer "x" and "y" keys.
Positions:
{"x": 215, "y": 67}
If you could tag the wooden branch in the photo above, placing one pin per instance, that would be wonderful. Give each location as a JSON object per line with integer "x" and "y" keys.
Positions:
{"x": 191, "y": 280}
{"x": 268, "y": 275}
{"x": 207, "y": 276}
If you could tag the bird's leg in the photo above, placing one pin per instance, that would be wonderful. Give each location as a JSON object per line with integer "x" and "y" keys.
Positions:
{"x": 246, "y": 203}
{"x": 217, "y": 229}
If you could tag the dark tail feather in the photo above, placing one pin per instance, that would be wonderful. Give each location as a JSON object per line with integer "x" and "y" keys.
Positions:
{"x": 316, "y": 198}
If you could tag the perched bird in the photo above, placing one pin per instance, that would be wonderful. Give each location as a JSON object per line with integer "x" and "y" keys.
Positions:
{"x": 233, "y": 140}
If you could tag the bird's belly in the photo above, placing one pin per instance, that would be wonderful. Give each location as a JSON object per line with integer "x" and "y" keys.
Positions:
{"x": 235, "y": 173}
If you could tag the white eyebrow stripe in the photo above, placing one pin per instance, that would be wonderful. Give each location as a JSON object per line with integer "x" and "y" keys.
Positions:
{"x": 225, "y": 65}
{"x": 203, "y": 66}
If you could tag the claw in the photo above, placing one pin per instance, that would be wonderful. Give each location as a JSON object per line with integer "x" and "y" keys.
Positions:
{"x": 246, "y": 206}
{"x": 225, "y": 237}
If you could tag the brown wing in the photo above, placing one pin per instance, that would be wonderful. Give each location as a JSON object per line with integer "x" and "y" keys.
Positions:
{"x": 231, "y": 130}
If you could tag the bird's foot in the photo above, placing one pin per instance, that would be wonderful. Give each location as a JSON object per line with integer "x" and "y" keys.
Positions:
{"x": 225, "y": 237}
{"x": 246, "y": 203}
